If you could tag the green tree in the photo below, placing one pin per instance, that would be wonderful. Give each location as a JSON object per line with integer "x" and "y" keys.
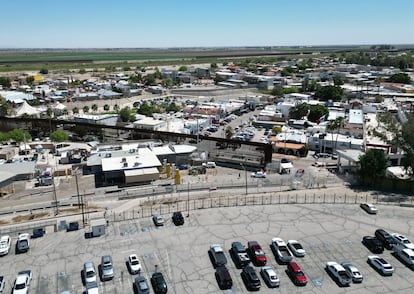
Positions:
{"x": 4, "y": 137}
{"x": 290, "y": 90}
{"x": 372, "y": 166}
{"x": 172, "y": 107}
{"x": 124, "y": 114}
{"x": 276, "y": 130}
{"x": 85, "y": 109}
{"x": 400, "y": 78}
{"x": 106, "y": 107}
{"x": 5, "y": 82}
{"x": 20, "y": 135}
{"x": 183, "y": 68}
{"x": 49, "y": 111}
{"x": 30, "y": 80}
{"x": 116, "y": 107}
{"x": 326, "y": 93}
{"x": 229, "y": 132}
{"x": 94, "y": 107}
{"x": 338, "y": 81}
{"x": 59, "y": 136}
{"x": 316, "y": 112}
{"x": 299, "y": 111}
{"x": 75, "y": 110}
{"x": 218, "y": 79}
{"x": 5, "y": 107}
{"x": 44, "y": 71}
{"x": 277, "y": 91}
{"x": 82, "y": 71}
{"x": 213, "y": 66}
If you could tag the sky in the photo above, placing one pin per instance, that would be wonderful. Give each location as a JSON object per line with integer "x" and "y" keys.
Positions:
{"x": 196, "y": 23}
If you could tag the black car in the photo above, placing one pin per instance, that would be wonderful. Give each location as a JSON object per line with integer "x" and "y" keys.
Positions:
{"x": 158, "y": 283}
{"x": 73, "y": 226}
{"x": 178, "y": 218}
{"x": 386, "y": 239}
{"x": 223, "y": 278}
{"x": 37, "y": 233}
{"x": 373, "y": 244}
{"x": 250, "y": 278}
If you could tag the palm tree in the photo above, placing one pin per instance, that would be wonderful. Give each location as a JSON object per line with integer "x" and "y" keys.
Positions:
{"x": 85, "y": 109}
{"x": 94, "y": 107}
{"x": 106, "y": 107}
{"x": 340, "y": 123}
{"x": 75, "y": 110}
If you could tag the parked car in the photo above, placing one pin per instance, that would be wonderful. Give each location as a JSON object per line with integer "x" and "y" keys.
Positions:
{"x": 73, "y": 226}
{"x": 141, "y": 286}
{"x": 5, "y": 243}
{"x": 386, "y": 239}
{"x": 281, "y": 251}
{"x": 296, "y": 273}
{"x": 182, "y": 166}
{"x": 134, "y": 266}
{"x": 89, "y": 272}
{"x": 92, "y": 288}
{"x": 2, "y": 283}
{"x": 217, "y": 256}
{"x": 223, "y": 278}
{"x": 370, "y": 208}
{"x": 158, "y": 283}
{"x": 402, "y": 240}
{"x": 405, "y": 255}
{"x": 107, "y": 269}
{"x": 338, "y": 273}
{"x": 38, "y": 232}
{"x": 22, "y": 282}
{"x": 257, "y": 255}
{"x": 158, "y": 220}
{"x": 178, "y": 218}
{"x": 381, "y": 265}
{"x": 209, "y": 164}
{"x": 239, "y": 254}
{"x": 296, "y": 248}
{"x": 258, "y": 174}
{"x": 352, "y": 271}
{"x": 250, "y": 278}
{"x": 23, "y": 243}
{"x": 373, "y": 244}
{"x": 269, "y": 276}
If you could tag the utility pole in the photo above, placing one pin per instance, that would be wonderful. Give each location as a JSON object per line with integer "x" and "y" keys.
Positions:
{"x": 245, "y": 175}
{"x": 77, "y": 188}
{"x": 188, "y": 200}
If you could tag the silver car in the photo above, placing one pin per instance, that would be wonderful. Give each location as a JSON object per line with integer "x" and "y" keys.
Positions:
{"x": 107, "y": 270}
{"x": 269, "y": 276}
{"x": 89, "y": 272}
{"x": 352, "y": 271}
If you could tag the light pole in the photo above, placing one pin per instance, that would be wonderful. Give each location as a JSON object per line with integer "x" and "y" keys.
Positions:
{"x": 245, "y": 174}
{"x": 188, "y": 200}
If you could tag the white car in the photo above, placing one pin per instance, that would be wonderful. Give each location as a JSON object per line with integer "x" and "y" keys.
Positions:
{"x": 158, "y": 220}
{"x": 381, "y": 265}
{"x": 338, "y": 272}
{"x": 134, "y": 266}
{"x": 352, "y": 271}
{"x": 22, "y": 282}
{"x": 89, "y": 272}
{"x": 402, "y": 241}
{"x": 258, "y": 174}
{"x": 296, "y": 248}
{"x": 5, "y": 242}
{"x": 370, "y": 208}
{"x": 269, "y": 276}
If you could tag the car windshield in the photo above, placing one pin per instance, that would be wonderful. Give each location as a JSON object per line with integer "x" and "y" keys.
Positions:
{"x": 90, "y": 274}
{"x": 381, "y": 260}
{"x": 406, "y": 241}
{"x": 297, "y": 246}
{"x": 23, "y": 243}
{"x": 20, "y": 286}
{"x": 259, "y": 253}
{"x": 3, "y": 244}
{"x": 387, "y": 266}
{"x": 107, "y": 266}
{"x": 143, "y": 285}
{"x": 134, "y": 262}
{"x": 300, "y": 274}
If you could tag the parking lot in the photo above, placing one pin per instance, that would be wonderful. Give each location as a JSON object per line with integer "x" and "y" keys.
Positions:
{"x": 328, "y": 233}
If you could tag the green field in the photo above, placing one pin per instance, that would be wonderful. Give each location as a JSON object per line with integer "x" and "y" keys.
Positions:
{"x": 52, "y": 59}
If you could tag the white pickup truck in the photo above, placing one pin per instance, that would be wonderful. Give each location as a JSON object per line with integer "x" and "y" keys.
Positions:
{"x": 22, "y": 282}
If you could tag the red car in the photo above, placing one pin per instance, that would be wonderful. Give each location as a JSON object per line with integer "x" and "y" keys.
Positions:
{"x": 296, "y": 274}
{"x": 257, "y": 254}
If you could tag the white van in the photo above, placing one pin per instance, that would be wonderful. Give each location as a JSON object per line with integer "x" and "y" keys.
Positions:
{"x": 405, "y": 254}
{"x": 210, "y": 164}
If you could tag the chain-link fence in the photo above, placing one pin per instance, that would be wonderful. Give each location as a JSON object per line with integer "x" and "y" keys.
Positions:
{"x": 170, "y": 204}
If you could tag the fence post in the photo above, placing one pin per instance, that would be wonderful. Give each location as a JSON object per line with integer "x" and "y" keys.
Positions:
{"x": 323, "y": 197}
{"x": 355, "y": 198}
{"x": 366, "y": 197}
{"x": 296, "y": 197}
{"x": 334, "y": 198}
{"x": 345, "y": 198}
{"x": 305, "y": 198}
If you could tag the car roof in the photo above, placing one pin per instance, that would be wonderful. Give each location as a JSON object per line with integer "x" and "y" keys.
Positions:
{"x": 295, "y": 266}
{"x": 239, "y": 246}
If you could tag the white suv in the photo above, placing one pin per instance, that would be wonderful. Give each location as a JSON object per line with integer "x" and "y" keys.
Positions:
{"x": 402, "y": 241}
